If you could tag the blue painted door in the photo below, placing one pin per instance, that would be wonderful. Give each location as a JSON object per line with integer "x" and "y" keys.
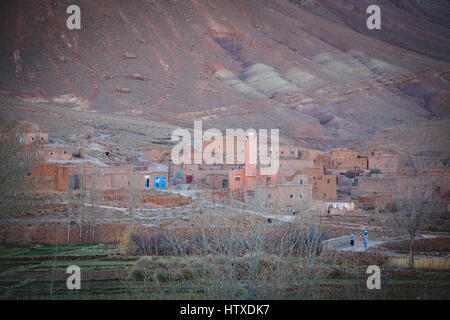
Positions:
{"x": 159, "y": 182}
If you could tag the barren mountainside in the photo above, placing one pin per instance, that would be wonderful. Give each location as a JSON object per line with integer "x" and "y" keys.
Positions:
{"x": 310, "y": 68}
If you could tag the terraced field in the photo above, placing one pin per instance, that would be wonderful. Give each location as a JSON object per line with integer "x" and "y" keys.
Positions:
{"x": 39, "y": 272}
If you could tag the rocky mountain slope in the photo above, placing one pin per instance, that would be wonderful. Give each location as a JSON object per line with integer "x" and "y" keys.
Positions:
{"x": 310, "y": 68}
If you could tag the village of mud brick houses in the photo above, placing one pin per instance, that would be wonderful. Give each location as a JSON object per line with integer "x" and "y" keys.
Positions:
{"x": 337, "y": 181}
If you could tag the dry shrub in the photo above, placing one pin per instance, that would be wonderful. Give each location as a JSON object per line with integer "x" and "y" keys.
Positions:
{"x": 241, "y": 259}
{"x": 354, "y": 258}
{"x": 167, "y": 268}
{"x": 290, "y": 239}
{"x": 126, "y": 244}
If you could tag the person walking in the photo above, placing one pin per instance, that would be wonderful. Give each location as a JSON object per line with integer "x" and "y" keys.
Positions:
{"x": 352, "y": 239}
{"x": 366, "y": 239}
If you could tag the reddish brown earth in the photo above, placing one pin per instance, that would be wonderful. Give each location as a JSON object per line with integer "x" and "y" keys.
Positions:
{"x": 232, "y": 64}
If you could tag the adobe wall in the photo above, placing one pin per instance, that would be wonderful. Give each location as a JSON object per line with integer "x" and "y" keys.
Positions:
{"x": 97, "y": 181}
{"x": 51, "y": 152}
{"x": 59, "y": 175}
{"x": 111, "y": 177}
{"x": 45, "y": 183}
{"x": 289, "y": 152}
{"x": 386, "y": 163}
{"x": 30, "y": 137}
{"x": 290, "y": 166}
{"x": 216, "y": 181}
{"x": 298, "y": 179}
{"x": 234, "y": 182}
{"x": 342, "y": 159}
{"x": 119, "y": 181}
{"x": 155, "y": 155}
{"x": 310, "y": 154}
{"x": 298, "y": 197}
{"x": 379, "y": 183}
{"x": 325, "y": 188}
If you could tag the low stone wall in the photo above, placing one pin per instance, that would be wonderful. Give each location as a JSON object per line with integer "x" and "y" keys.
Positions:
{"x": 336, "y": 243}
{"x": 435, "y": 263}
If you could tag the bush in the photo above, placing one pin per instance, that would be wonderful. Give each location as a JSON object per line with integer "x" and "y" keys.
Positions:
{"x": 374, "y": 171}
{"x": 126, "y": 244}
{"x": 351, "y": 173}
{"x": 242, "y": 258}
{"x": 296, "y": 240}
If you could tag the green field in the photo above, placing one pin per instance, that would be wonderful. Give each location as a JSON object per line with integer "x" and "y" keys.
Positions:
{"x": 39, "y": 272}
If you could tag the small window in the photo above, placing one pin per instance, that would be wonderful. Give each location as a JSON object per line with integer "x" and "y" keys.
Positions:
{"x": 65, "y": 152}
{"x": 291, "y": 196}
{"x": 51, "y": 153}
{"x": 269, "y": 196}
{"x": 300, "y": 196}
{"x": 237, "y": 177}
{"x": 268, "y": 179}
{"x": 328, "y": 180}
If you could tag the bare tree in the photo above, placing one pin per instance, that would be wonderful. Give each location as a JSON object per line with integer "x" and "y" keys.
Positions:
{"x": 69, "y": 211}
{"x": 17, "y": 162}
{"x": 233, "y": 253}
{"x": 133, "y": 189}
{"x": 416, "y": 189}
{"x": 94, "y": 206}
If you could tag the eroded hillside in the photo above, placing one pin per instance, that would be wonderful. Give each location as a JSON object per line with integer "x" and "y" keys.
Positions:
{"x": 310, "y": 68}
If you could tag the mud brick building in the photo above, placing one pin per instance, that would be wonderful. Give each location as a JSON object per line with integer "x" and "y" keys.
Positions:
{"x": 158, "y": 154}
{"x": 51, "y": 176}
{"x": 290, "y": 197}
{"x": 75, "y": 176}
{"x": 289, "y": 152}
{"x": 250, "y": 175}
{"x": 387, "y": 163}
{"x": 324, "y": 187}
{"x": 54, "y": 152}
{"x": 118, "y": 177}
{"x": 33, "y": 134}
{"x": 203, "y": 176}
{"x": 342, "y": 159}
